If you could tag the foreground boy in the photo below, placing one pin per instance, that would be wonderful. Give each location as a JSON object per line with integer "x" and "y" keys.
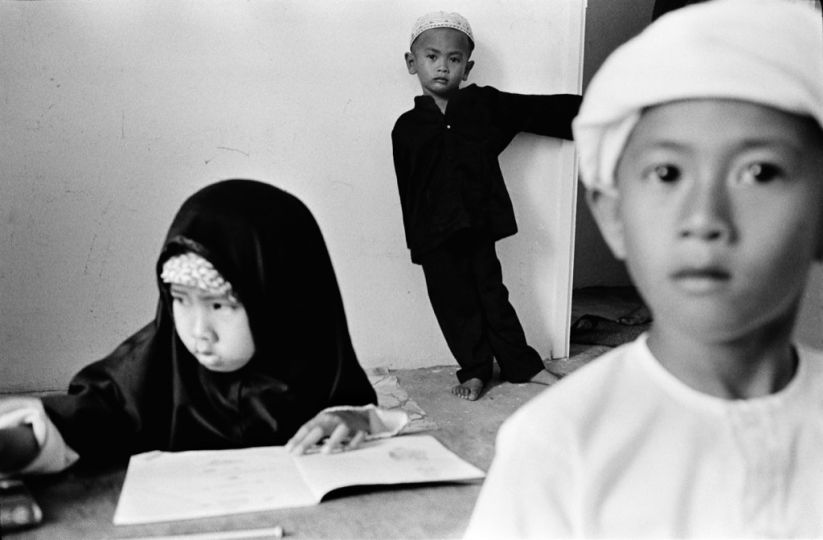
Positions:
{"x": 455, "y": 203}
{"x": 702, "y": 147}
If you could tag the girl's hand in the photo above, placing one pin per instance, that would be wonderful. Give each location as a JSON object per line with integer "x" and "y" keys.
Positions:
{"x": 344, "y": 429}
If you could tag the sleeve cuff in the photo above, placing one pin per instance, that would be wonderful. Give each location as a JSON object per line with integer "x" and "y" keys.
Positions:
{"x": 382, "y": 422}
{"x": 55, "y": 455}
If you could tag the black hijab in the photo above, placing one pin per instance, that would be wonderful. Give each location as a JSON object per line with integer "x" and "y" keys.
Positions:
{"x": 151, "y": 393}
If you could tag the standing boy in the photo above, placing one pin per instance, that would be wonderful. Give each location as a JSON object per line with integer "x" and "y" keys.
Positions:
{"x": 455, "y": 203}
{"x": 702, "y": 148}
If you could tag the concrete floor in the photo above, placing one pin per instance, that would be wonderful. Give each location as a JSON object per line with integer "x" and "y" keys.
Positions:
{"x": 471, "y": 425}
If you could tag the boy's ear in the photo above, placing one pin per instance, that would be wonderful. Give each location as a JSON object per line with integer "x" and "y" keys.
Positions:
{"x": 605, "y": 208}
{"x": 410, "y": 65}
{"x": 469, "y": 66}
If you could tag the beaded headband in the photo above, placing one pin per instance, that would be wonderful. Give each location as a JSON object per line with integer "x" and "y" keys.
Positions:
{"x": 192, "y": 270}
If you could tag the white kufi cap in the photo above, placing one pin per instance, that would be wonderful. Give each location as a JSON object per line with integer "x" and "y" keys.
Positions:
{"x": 441, "y": 19}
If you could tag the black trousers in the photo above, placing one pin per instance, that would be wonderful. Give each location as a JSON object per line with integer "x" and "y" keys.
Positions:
{"x": 471, "y": 303}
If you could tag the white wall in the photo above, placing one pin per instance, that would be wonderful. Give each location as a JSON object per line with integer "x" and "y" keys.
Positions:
{"x": 112, "y": 113}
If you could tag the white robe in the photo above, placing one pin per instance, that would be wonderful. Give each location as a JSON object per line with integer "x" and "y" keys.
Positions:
{"x": 622, "y": 448}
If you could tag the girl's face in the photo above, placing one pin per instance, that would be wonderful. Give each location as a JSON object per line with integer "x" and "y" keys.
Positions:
{"x": 718, "y": 214}
{"x": 440, "y": 59}
{"x": 214, "y": 328}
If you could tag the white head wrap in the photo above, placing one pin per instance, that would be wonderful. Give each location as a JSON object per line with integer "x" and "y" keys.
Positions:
{"x": 192, "y": 270}
{"x": 441, "y": 19}
{"x": 768, "y": 52}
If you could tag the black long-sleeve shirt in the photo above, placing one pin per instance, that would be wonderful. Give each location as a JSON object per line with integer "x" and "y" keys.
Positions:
{"x": 447, "y": 166}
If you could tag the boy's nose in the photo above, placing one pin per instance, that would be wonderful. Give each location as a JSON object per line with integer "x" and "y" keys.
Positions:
{"x": 706, "y": 214}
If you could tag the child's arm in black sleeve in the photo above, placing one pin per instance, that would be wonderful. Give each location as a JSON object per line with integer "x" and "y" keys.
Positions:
{"x": 402, "y": 169}
{"x": 549, "y": 115}
{"x": 113, "y": 404}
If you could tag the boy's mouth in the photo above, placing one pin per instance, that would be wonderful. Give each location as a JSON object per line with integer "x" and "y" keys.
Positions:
{"x": 701, "y": 279}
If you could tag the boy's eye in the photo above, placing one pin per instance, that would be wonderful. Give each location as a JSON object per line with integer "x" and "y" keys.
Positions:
{"x": 665, "y": 173}
{"x": 759, "y": 173}
{"x": 431, "y": 56}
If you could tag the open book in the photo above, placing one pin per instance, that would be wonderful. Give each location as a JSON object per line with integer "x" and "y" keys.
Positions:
{"x": 168, "y": 486}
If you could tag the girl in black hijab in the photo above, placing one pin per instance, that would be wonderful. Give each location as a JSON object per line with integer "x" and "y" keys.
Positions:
{"x": 249, "y": 343}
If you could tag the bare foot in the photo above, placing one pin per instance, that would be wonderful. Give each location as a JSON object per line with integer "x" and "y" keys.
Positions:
{"x": 545, "y": 377}
{"x": 469, "y": 389}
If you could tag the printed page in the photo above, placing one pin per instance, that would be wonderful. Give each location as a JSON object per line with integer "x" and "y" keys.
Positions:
{"x": 168, "y": 486}
{"x": 397, "y": 460}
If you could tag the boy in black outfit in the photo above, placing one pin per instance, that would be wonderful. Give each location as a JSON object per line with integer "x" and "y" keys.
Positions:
{"x": 455, "y": 203}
